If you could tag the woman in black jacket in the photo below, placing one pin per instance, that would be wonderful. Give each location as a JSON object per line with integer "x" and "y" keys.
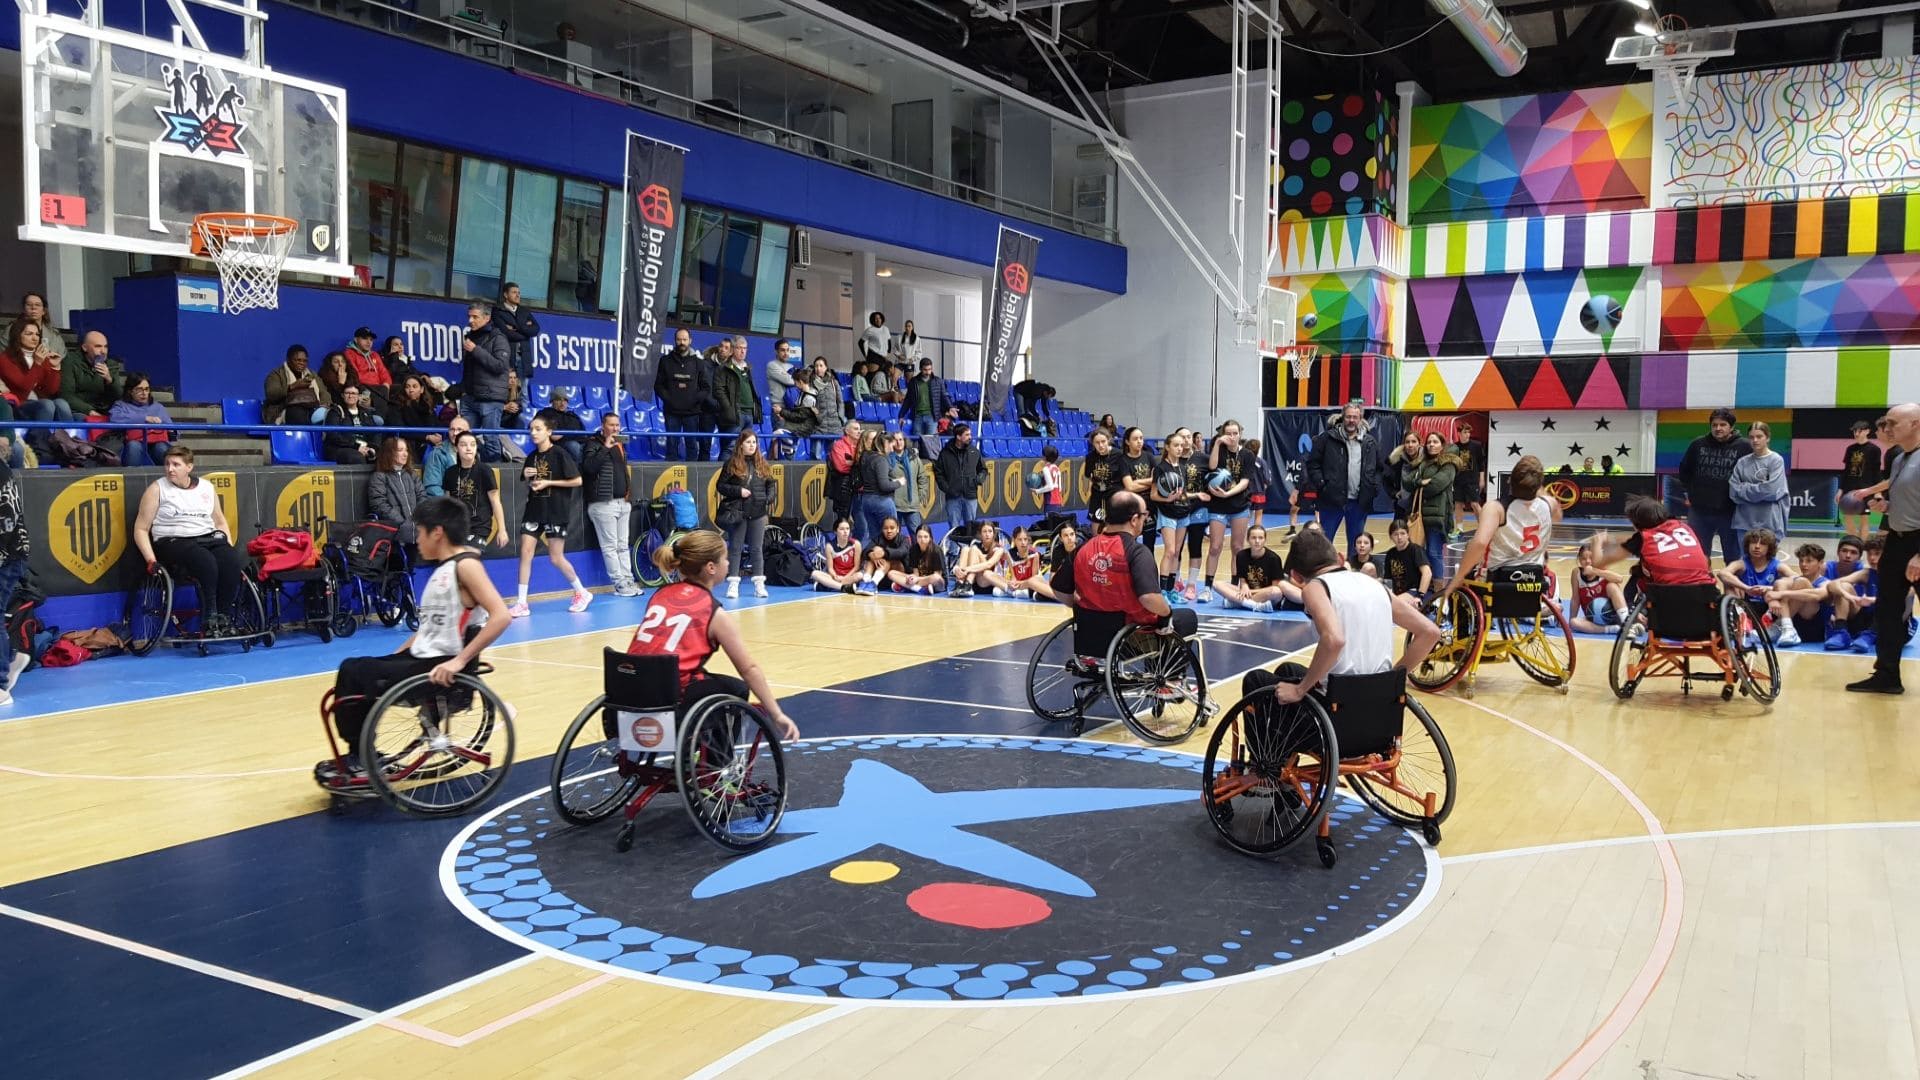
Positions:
{"x": 745, "y": 488}
{"x": 874, "y": 480}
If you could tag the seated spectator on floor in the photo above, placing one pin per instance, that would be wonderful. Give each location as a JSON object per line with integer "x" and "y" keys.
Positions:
{"x": 353, "y": 447}
{"x": 894, "y": 541}
{"x": 140, "y": 447}
{"x": 1853, "y": 596}
{"x": 1066, "y": 540}
{"x": 1362, "y": 557}
{"x": 1260, "y": 581}
{"x": 1024, "y": 578}
{"x": 182, "y": 527}
{"x": 873, "y": 570}
{"x": 92, "y": 383}
{"x": 442, "y": 456}
{"x": 924, "y": 569}
{"x": 842, "y": 570}
{"x": 33, "y": 309}
{"x": 567, "y": 429}
{"x": 30, "y": 376}
{"x": 294, "y": 392}
{"x": 336, "y": 376}
{"x": 369, "y": 370}
{"x": 1806, "y": 595}
{"x": 982, "y": 564}
{"x": 1599, "y": 603}
{"x": 393, "y": 491}
{"x": 1403, "y": 566}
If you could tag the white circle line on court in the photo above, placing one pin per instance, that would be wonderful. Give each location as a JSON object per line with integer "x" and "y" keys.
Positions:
{"x": 1645, "y": 838}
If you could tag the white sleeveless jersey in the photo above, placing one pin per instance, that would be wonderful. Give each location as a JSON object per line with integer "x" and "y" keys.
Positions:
{"x": 184, "y": 512}
{"x": 1366, "y": 618}
{"x": 1523, "y": 537}
{"x": 443, "y": 618}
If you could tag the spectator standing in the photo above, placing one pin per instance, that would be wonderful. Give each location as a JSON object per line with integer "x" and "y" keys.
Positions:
{"x": 563, "y": 421}
{"x": 906, "y": 347}
{"x": 144, "y": 446}
{"x": 1860, "y": 467}
{"x": 1434, "y": 480}
{"x": 32, "y": 376}
{"x": 1758, "y": 487}
{"x": 736, "y": 402}
{"x": 843, "y": 463}
{"x": 393, "y": 490}
{"x": 1470, "y": 478}
{"x": 925, "y": 401}
{"x": 350, "y": 447}
{"x": 14, "y": 549}
{"x": 519, "y": 326}
{"x": 94, "y": 382}
{"x": 958, "y": 472}
{"x": 370, "y": 371}
{"x": 877, "y": 484}
{"x": 780, "y": 373}
{"x": 1900, "y": 555}
{"x": 746, "y": 495}
{"x": 1706, "y": 471}
{"x": 875, "y": 341}
{"x": 607, "y": 481}
{"x": 485, "y": 386}
{"x": 441, "y": 457}
{"x": 905, "y": 466}
{"x": 550, "y": 473}
{"x": 1102, "y": 469}
{"x": 467, "y": 480}
{"x": 827, "y": 400}
{"x": 33, "y": 309}
{"x": 1343, "y": 468}
{"x": 682, "y": 384}
{"x": 294, "y": 393}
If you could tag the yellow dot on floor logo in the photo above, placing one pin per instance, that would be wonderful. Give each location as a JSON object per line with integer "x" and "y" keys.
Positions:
{"x": 863, "y": 872}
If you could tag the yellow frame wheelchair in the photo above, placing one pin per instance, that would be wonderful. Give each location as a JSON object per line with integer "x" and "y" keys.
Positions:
{"x": 1520, "y": 601}
{"x": 1155, "y": 680}
{"x": 1671, "y": 626}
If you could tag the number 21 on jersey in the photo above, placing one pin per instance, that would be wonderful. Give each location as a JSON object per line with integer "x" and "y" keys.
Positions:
{"x": 656, "y": 617}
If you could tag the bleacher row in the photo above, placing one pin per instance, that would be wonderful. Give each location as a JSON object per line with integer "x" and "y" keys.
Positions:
{"x": 1001, "y": 437}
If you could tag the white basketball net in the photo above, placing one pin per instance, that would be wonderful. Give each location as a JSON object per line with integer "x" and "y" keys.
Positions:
{"x": 1301, "y": 359}
{"x": 249, "y": 250}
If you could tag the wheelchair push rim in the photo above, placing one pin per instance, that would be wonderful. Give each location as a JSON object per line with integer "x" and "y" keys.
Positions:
{"x": 1463, "y": 632}
{"x": 1054, "y": 690}
{"x": 590, "y": 776}
{"x": 1756, "y": 666}
{"x": 1423, "y": 766}
{"x": 731, "y": 773}
{"x": 1157, "y": 682}
{"x": 1264, "y": 781}
{"x": 1629, "y": 662}
{"x": 149, "y": 612}
{"x": 436, "y": 751}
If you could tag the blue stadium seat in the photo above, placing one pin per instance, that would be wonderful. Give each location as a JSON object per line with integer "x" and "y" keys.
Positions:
{"x": 596, "y": 396}
{"x": 294, "y": 447}
{"x": 241, "y": 411}
{"x": 590, "y": 418}
{"x": 539, "y": 393}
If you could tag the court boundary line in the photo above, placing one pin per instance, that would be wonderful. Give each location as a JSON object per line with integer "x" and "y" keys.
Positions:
{"x": 1698, "y": 834}
{"x": 740, "y": 1055}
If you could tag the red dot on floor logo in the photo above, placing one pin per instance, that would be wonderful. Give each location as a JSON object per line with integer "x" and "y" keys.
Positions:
{"x": 980, "y": 907}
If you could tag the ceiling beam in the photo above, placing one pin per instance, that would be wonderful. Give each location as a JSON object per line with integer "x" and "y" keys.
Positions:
{"x": 1365, "y": 41}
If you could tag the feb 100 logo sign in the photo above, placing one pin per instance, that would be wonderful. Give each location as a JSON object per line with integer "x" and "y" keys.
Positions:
{"x": 87, "y": 526}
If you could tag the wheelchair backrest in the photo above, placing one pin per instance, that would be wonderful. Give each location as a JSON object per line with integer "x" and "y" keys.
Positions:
{"x": 1683, "y": 612}
{"x": 1369, "y": 711}
{"x": 1518, "y": 589}
{"x": 1094, "y": 631}
{"x": 641, "y": 682}
{"x": 370, "y": 548}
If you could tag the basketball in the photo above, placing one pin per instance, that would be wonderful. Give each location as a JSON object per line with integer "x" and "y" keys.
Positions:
{"x": 1219, "y": 478}
{"x": 1036, "y": 480}
{"x": 1600, "y": 312}
{"x": 1852, "y": 503}
{"x": 1168, "y": 484}
{"x": 1310, "y": 320}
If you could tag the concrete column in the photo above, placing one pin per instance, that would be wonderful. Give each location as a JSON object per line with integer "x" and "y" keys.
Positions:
{"x": 866, "y": 301}
{"x": 1896, "y": 36}
{"x": 693, "y": 50}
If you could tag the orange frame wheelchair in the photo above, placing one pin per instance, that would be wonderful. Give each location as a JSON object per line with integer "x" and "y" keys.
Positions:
{"x": 427, "y": 750}
{"x": 1669, "y": 627}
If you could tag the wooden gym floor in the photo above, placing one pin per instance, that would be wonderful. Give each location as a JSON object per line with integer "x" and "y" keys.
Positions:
{"x": 1667, "y": 888}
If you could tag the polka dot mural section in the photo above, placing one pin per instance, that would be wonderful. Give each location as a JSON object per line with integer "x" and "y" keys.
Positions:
{"x": 1337, "y": 155}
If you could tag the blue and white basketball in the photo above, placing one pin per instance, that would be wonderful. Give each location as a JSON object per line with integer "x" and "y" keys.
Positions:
{"x": 1219, "y": 478}
{"x": 1600, "y": 313}
{"x": 1310, "y": 320}
{"x": 1168, "y": 484}
{"x": 1036, "y": 479}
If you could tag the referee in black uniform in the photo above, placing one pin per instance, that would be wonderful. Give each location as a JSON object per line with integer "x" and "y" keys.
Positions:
{"x": 1900, "y": 561}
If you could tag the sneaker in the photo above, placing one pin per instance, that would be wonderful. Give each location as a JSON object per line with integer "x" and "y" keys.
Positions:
{"x": 580, "y": 602}
{"x": 1788, "y": 637}
{"x": 1866, "y": 641}
{"x": 626, "y": 589}
{"x": 6, "y": 697}
{"x": 866, "y": 588}
{"x": 1205, "y": 596}
{"x": 733, "y": 588}
{"x": 899, "y": 588}
{"x": 1838, "y": 640}
{"x": 1264, "y": 607}
{"x": 1875, "y": 684}
{"x": 998, "y": 591}
{"x": 848, "y": 589}
{"x": 760, "y": 587}
{"x": 1293, "y": 530}
{"x": 14, "y": 668}
{"x": 1173, "y": 596}
{"x": 962, "y": 591}
{"x": 520, "y": 610}
{"x": 1188, "y": 592}
{"x": 923, "y": 590}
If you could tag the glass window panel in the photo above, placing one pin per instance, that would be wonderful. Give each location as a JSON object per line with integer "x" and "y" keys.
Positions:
{"x": 480, "y": 232}
{"x": 370, "y": 200}
{"x": 770, "y": 279}
{"x": 530, "y": 234}
{"x": 578, "y": 237}
{"x": 612, "y": 254}
{"x": 739, "y": 262}
{"x": 424, "y": 221}
{"x": 699, "y": 299}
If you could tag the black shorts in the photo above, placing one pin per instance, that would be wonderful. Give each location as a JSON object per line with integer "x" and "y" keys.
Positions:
{"x": 535, "y": 527}
{"x": 543, "y": 518}
{"x": 1469, "y": 493}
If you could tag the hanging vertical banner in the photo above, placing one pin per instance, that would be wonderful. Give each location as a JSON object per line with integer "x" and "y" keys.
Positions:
{"x": 654, "y": 205}
{"x": 1006, "y": 316}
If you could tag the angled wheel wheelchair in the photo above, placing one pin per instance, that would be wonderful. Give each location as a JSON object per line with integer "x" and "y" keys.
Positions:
{"x": 427, "y": 750}
{"x": 1271, "y": 768}
{"x": 1153, "y": 680}
{"x": 638, "y": 739}
{"x": 1518, "y": 602}
{"x": 159, "y": 613}
{"x": 375, "y": 574}
{"x": 1671, "y": 626}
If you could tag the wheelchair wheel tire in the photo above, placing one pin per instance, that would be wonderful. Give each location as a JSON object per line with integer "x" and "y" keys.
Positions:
{"x": 391, "y": 598}
{"x": 437, "y": 751}
{"x": 149, "y": 613}
{"x": 1463, "y": 632}
{"x": 1261, "y": 782}
{"x": 1756, "y": 666}
{"x": 1426, "y": 765}
{"x": 1157, "y": 683}
{"x": 586, "y": 778}
{"x": 732, "y": 773}
{"x": 644, "y": 572}
{"x": 1534, "y": 648}
{"x": 344, "y": 624}
{"x": 1628, "y": 653}
{"x": 1052, "y": 690}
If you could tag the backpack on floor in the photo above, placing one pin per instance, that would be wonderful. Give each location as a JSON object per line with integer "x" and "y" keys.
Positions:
{"x": 282, "y": 550}
{"x": 787, "y": 565}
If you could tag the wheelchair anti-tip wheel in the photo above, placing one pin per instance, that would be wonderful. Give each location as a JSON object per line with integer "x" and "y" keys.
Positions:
{"x": 1426, "y": 765}
{"x": 1750, "y": 649}
{"x": 149, "y": 612}
{"x": 1269, "y": 772}
{"x": 591, "y": 779}
{"x": 1463, "y": 630}
{"x": 1158, "y": 685}
{"x": 731, "y": 773}
{"x": 436, "y": 751}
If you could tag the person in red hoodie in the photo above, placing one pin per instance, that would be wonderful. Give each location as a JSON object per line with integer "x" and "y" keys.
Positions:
{"x": 375, "y": 379}
{"x": 31, "y": 378}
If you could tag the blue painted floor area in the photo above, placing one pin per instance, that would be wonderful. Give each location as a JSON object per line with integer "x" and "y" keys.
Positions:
{"x": 351, "y": 906}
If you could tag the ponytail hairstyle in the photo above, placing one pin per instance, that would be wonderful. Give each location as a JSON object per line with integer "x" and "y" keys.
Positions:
{"x": 689, "y": 555}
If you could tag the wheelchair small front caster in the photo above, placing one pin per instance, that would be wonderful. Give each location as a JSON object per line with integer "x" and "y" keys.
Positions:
{"x": 1431, "y": 830}
{"x": 624, "y": 842}
{"x": 1327, "y": 856}
{"x": 344, "y": 624}
{"x": 1726, "y": 693}
{"x": 1563, "y": 688}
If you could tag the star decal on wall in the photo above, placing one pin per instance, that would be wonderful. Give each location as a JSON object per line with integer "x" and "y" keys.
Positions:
{"x": 1492, "y": 424}
{"x": 1603, "y": 424}
{"x": 1513, "y": 449}
{"x": 1547, "y": 424}
{"x": 1620, "y": 451}
{"x": 1576, "y": 450}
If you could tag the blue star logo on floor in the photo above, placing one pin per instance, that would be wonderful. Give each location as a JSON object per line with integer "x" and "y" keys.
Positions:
{"x": 942, "y": 869}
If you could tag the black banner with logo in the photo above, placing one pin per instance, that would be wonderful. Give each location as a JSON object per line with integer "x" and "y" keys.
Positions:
{"x": 654, "y": 206}
{"x": 1011, "y": 299}
{"x": 1593, "y": 496}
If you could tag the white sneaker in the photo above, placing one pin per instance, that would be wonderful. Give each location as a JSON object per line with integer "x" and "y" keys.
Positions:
{"x": 15, "y": 667}
{"x": 1788, "y": 635}
{"x": 6, "y": 698}
{"x": 626, "y": 589}
{"x": 998, "y": 591}
{"x": 760, "y": 587}
{"x": 733, "y": 588}
{"x": 580, "y": 602}
{"x": 1264, "y": 607}
{"x": 519, "y": 610}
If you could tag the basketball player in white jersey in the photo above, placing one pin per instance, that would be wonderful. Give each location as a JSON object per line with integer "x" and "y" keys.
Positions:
{"x": 1353, "y": 617}
{"x": 1514, "y": 533}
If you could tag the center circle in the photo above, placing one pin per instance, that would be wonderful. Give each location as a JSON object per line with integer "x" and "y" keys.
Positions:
{"x": 941, "y": 869}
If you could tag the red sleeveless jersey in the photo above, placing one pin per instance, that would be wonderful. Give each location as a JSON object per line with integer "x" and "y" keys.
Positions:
{"x": 841, "y": 563}
{"x": 1102, "y": 580}
{"x": 1024, "y": 569}
{"x": 676, "y": 624}
{"x": 1670, "y": 554}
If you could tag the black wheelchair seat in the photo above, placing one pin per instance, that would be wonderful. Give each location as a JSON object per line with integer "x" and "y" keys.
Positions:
{"x": 1518, "y": 589}
{"x": 1093, "y": 634}
{"x": 1683, "y": 612}
{"x": 1369, "y": 711}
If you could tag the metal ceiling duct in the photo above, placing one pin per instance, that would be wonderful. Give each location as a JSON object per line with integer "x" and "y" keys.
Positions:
{"x": 1487, "y": 31}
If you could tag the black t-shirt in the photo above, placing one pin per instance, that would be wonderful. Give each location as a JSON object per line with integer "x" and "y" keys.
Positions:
{"x": 1193, "y": 476}
{"x": 1400, "y": 567}
{"x": 1103, "y": 475}
{"x": 1258, "y": 572}
{"x": 1140, "y": 468}
{"x": 896, "y": 548}
{"x": 1058, "y": 556}
{"x": 1860, "y": 466}
{"x": 552, "y": 463}
{"x": 1239, "y": 466}
{"x": 471, "y": 487}
{"x": 1473, "y": 459}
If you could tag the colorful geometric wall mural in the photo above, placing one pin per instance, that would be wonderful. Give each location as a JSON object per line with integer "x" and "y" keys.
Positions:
{"x": 1811, "y": 302}
{"x": 1338, "y": 154}
{"x": 1509, "y": 313}
{"x": 1353, "y": 311}
{"x": 1861, "y": 377}
{"x": 1540, "y": 154}
{"x": 1796, "y": 133}
{"x": 1323, "y": 245}
{"x": 1336, "y": 379}
{"x": 1560, "y": 437}
{"x": 1677, "y": 428}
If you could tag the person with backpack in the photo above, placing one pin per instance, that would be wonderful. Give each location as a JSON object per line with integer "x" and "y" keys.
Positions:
{"x": 14, "y": 547}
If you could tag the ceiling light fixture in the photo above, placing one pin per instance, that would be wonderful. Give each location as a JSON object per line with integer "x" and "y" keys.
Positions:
{"x": 1646, "y": 29}
{"x": 885, "y": 271}
{"x": 1643, "y": 5}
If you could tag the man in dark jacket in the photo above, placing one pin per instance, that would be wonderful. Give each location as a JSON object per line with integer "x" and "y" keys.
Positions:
{"x": 1706, "y": 471}
{"x": 605, "y": 480}
{"x": 736, "y": 400}
{"x": 483, "y": 374}
{"x": 1344, "y": 468}
{"x": 683, "y": 387}
{"x": 926, "y": 401}
{"x": 958, "y": 473}
{"x": 520, "y": 327}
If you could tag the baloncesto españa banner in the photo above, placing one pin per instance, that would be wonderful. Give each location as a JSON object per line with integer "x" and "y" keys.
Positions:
{"x": 1011, "y": 299}
{"x": 654, "y": 205}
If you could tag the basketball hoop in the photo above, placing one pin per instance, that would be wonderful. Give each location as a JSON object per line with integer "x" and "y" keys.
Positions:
{"x": 1301, "y": 359}
{"x": 249, "y": 250}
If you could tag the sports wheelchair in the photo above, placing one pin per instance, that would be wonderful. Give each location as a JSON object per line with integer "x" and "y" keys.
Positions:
{"x": 1519, "y": 601}
{"x": 1271, "y": 769}
{"x": 623, "y": 749}
{"x": 375, "y": 572}
{"x": 427, "y": 750}
{"x": 1671, "y": 626}
{"x": 155, "y": 616}
{"x": 307, "y": 598}
{"x": 1153, "y": 678}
